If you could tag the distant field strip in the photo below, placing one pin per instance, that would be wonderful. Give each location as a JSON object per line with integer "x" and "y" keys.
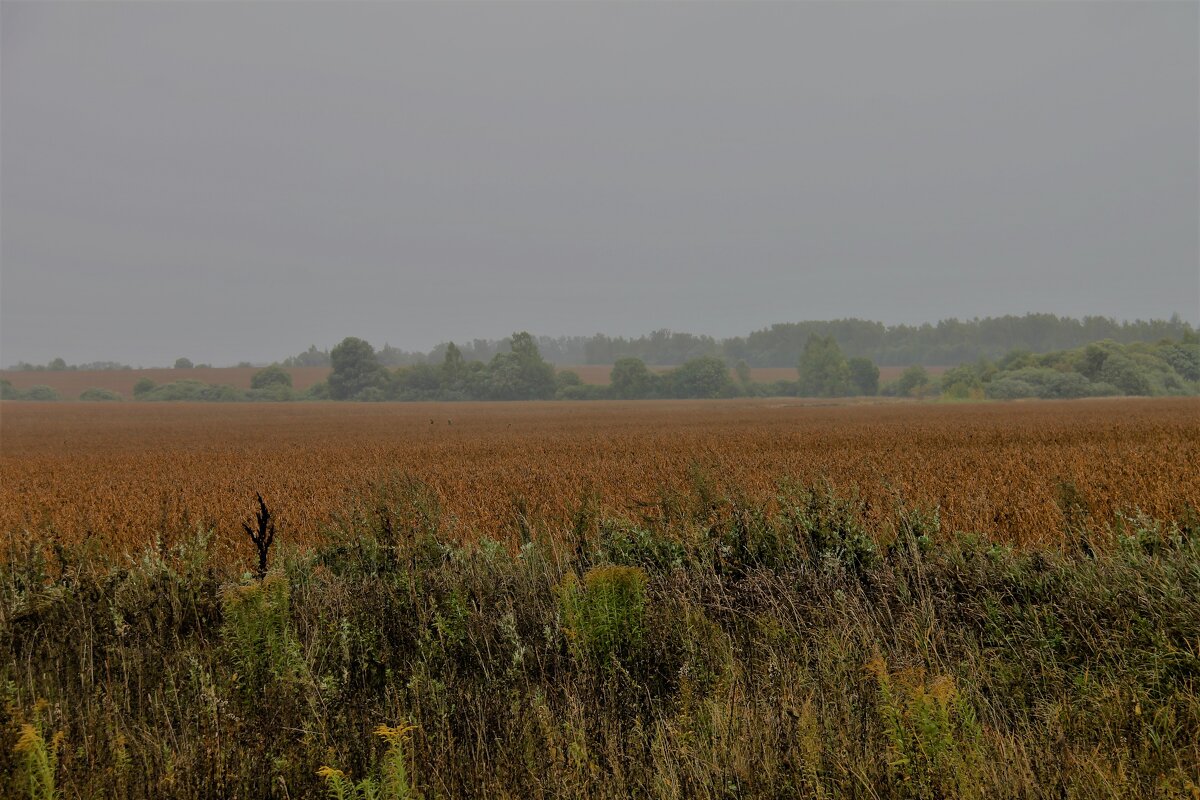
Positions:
{"x": 69, "y": 383}
{"x": 122, "y": 472}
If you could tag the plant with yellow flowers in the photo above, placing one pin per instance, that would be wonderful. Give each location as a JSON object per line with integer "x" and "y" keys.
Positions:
{"x": 395, "y": 780}
{"x": 38, "y": 758}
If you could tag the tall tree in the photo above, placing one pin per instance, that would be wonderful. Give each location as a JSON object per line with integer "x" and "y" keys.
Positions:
{"x": 823, "y": 369}
{"x": 864, "y": 376}
{"x": 630, "y": 379}
{"x": 355, "y": 370}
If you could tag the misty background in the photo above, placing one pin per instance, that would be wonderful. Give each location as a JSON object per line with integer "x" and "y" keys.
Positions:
{"x": 234, "y": 181}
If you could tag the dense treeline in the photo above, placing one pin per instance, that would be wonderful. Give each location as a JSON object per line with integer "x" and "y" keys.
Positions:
{"x": 555, "y": 349}
{"x": 521, "y": 373}
{"x": 714, "y": 649}
{"x": 945, "y": 343}
{"x": 1099, "y": 369}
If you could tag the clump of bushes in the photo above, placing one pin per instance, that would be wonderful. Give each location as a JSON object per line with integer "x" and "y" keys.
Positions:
{"x": 39, "y": 393}
{"x": 96, "y": 395}
{"x": 1101, "y": 369}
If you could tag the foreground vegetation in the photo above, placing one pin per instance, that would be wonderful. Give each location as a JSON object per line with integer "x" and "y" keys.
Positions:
{"x": 715, "y": 648}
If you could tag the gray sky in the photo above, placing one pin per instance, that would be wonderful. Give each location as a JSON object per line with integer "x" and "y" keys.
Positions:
{"x": 238, "y": 180}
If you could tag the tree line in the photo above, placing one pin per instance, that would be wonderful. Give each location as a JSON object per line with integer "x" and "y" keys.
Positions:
{"x": 1104, "y": 368}
{"x": 948, "y": 342}
{"x": 823, "y": 369}
{"x": 945, "y": 343}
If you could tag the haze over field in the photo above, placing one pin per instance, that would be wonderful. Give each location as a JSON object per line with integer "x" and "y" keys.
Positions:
{"x": 232, "y": 181}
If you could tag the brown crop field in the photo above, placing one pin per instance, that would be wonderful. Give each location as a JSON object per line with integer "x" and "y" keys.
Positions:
{"x": 122, "y": 472}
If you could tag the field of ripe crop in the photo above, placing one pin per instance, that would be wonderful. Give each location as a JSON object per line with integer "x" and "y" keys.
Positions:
{"x": 712, "y": 636}
{"x": 121, "y": 472}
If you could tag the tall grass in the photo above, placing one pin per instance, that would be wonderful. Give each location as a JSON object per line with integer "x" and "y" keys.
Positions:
{"x": 718, "y": 649}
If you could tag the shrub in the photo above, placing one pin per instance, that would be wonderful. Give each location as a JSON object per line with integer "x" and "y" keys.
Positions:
{"x": 258, "y": 631}
{"x": 829, "y": 527}
{"x": 962, "y": 383}
{"x": 275, "y": 393}
{"x": 273, "y": 375}
{"x": 567, "y": 377}
{"x": 1010, "y": 389}
{"x": 912, "y": 382}
{"x": 195, "y": 391}
{"x": 39, "y": 760}
{"x": 864, "y": 376}
{"x": 706, "y": 378}
{"x": 631, "y": 379}
{"x": 604, "y": 617}
{"x": 932, "y": 734}
{"x": 95, "y": 395}
{"x": 143, "y": 387}
{"x": 395, "y": 781}
{"x": 583, "y": 392}
{"x": 40, "y": 393}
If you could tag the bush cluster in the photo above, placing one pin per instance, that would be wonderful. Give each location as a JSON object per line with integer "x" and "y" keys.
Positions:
{"x": 1101, "y": 369}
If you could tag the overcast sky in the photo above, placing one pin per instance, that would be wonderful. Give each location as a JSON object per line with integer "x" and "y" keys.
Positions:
{"x": 237, "y": 180}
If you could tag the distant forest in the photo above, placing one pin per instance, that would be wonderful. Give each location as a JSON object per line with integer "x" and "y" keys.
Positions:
{"x": 946, "y": 343}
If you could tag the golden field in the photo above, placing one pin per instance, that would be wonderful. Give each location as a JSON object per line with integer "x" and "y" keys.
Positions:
{"x": 121, "y": 472}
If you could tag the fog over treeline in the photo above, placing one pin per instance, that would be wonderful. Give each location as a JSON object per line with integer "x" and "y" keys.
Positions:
{"x": 947, "y": 342}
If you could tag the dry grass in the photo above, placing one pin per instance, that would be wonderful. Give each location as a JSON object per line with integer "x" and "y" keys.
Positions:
{"x": 126, "y": 471}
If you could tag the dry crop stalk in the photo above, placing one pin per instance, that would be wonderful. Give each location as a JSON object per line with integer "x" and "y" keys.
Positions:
{"x": 263, "y": 535}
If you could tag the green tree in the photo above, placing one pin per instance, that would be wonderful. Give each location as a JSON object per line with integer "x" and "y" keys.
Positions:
{"x": 57, "y": 365}
{"x": 40, "y": 392}
{"x": 419, "y": 382}
{"x": 864, "y": 376}
{"x": 567, "y": 377}
{"x": 962, "y": 383}
{"x": 823, "y": 369}
{"x": 705, "y": 377}
{"x": 143, "y": 387}
{"x": 95, "y": 395}
{"x": 273, "y": 375}
{"x": 1123, "y": 372}
{"x": 454, "y": 366}
{"x": 521, "y": 374}
{"x": 355, "y": 370}
{"x": 631, "y": 379}
{"x": 183, "y": 363}
{"x": 912, "y": 381}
